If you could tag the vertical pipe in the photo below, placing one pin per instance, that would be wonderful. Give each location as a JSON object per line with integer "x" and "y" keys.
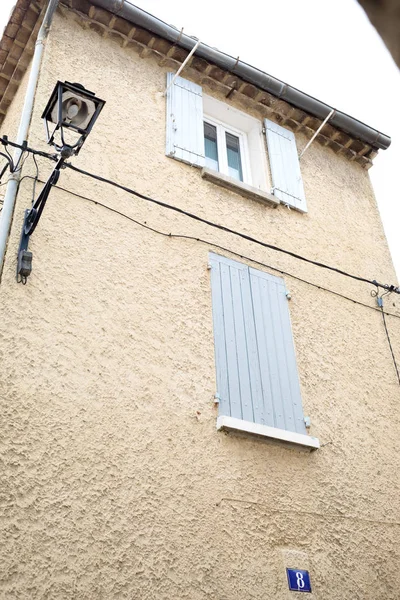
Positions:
{"x": 11, "y": 191}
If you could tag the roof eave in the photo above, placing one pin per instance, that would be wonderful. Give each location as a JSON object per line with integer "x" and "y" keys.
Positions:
{"x": 264, "y": 81}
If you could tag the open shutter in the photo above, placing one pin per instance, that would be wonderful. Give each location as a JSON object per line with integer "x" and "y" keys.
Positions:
{"x": 276, "y": 351}
{"x": 285, "y": 167}
{"x": 256, "y": 369}
{"x": 185, "y": 133}
{"x": 234, "y": 336}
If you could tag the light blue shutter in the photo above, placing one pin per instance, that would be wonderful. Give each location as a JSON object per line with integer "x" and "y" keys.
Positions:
{"x": 231, "y": 311}
{"x": 185, "y": 131}
{"x": 256, "y": 369}
{"x": 285, "y": 167}
{"x": 276, "y": 351}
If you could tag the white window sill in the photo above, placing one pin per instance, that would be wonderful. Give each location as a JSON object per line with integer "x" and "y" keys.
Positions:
{"x": 230, "y": 423}
{"x": 239, "y": 187}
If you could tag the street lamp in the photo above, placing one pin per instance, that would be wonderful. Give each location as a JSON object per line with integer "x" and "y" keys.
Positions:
{"x": 72, "y": 110}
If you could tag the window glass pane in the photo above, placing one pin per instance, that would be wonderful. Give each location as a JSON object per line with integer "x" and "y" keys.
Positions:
{"x": 210, "y": 145}
{"x": 233, "y": 154}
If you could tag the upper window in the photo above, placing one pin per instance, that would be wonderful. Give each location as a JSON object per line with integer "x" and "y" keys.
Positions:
{"x": 234, "y": 144}
{"x": 206, "y": 132}
{"x": 225, "y": 150}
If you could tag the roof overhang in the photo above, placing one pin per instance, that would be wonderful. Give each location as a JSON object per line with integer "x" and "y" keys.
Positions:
{"x": 264, "y": 81}
{"x": 151, "y": 36}
{"x": 16, "y": 48}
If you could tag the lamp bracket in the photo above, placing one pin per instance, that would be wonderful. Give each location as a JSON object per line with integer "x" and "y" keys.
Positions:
{"x": 31, "y": 219}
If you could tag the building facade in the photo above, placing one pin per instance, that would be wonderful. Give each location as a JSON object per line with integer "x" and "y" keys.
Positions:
{"x": 141, "y": 329}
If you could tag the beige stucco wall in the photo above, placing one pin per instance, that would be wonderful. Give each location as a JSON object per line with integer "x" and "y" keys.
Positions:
{"x": 115, "y": 481}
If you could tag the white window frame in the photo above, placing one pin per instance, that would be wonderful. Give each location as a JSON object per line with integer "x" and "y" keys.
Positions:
{"x": 249, "y": 129}
{"x": 223, "y": 167}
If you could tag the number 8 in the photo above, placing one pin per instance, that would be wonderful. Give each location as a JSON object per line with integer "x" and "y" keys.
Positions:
{"x": 300, "y": 580}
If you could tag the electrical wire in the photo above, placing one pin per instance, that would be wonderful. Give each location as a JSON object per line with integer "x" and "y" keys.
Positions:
{"x": 306, "y": 513}
{"x": 36, "y": 179}
{"x": 6, "y": 142}
{"x": 19, "y": 181}
{"x": 21, "y": 163}
{"x": 392, "y": 288}
{"x": 232, "y": 231}
{"x": 215, "y": 245}
{"x": 389, "y": 342}
{"x": 223, "y": 248}
{"x": 9, "y": 164}
{"x": 9, "y": 155}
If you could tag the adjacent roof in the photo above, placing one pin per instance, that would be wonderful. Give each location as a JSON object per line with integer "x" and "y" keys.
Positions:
{"x": 149, "y": 35}
{"x": 385, "y": 16}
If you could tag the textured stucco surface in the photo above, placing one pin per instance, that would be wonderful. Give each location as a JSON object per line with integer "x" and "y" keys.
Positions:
{"x": 115, "y": 483}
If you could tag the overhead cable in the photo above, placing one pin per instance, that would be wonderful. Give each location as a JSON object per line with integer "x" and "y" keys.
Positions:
{"x": 214, "y": 245}
{"x": 380, "y": 304}
{"x": 244, "y": 236}
{"x": 391, "y": 288}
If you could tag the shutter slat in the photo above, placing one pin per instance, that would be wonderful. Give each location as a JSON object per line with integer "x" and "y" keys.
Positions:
{"x": 241, "y": 342}
{"x": 279, "y": 162}
{"x": 185, "y": 139}
{"x": 285, "y": 166}
{"x": 266, "y": 328}
{"x": 294, "y": 405}
{"x": 230, "y": 342}
{"x": 252, "y": 351}
{"x": 219, "y": 337}
{"x": 280, "y": 352}
{"x": 266, "y": 403}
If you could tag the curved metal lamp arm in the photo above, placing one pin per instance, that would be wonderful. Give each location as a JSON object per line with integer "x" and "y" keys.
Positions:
{"x": 34, "y": 214}
{"x": 32, "y": 217}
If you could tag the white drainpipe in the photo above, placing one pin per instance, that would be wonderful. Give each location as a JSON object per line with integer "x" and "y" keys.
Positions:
{"x": 12, "y": 186}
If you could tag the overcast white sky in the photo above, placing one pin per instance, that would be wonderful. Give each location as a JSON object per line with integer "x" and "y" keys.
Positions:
{"x": 326, "y": 48}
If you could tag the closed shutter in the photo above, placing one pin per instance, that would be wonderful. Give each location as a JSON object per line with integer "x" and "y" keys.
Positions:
{"x": 257, "y": 378}
{"x": 185, "y": 133}
{"x": 285, "y": 167}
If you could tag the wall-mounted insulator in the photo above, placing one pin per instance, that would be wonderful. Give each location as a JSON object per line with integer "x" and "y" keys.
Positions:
{"x": 380, "y": 302}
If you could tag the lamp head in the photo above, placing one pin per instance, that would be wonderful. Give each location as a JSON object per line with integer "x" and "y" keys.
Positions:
{"x": 73, "y": 110}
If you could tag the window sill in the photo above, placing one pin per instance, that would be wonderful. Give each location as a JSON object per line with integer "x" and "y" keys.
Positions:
{"x": 230, "y": 423}
{"x": 239, "y": 187}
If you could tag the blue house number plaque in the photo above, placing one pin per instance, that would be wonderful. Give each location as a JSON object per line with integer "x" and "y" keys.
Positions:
{"x": 298, "y": 580}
